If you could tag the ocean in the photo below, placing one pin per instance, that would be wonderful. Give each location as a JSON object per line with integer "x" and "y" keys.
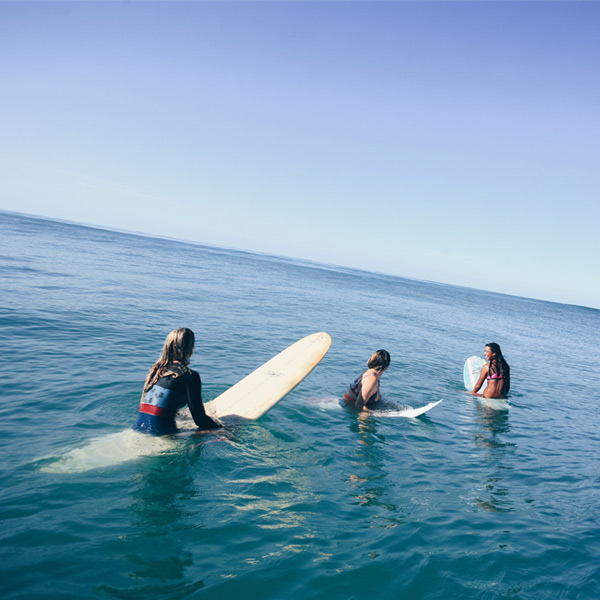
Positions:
{"x": 311, "y": 501}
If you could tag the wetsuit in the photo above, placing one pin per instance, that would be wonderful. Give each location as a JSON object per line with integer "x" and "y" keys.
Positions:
{"x": 354, "y": 394}
{"x": 169, "y": 394}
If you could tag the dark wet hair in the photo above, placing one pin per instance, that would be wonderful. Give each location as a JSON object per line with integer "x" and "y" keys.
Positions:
{"x": 380, "y": 360}
{"x": 499, "y": 366}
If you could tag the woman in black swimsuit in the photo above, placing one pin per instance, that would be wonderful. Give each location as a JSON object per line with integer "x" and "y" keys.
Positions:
{"x": 363, "y": 392}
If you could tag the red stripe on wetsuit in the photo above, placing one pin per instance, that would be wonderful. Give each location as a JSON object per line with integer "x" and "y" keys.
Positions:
{"x": 152, "y": 410}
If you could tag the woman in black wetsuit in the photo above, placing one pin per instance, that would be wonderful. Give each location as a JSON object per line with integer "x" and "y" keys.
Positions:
{"x": 363, "y": 392}
{"x": 170, "y": 385}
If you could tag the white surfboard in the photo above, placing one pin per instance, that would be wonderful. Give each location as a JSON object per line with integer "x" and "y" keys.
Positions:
{"x": 471, "y": 373}
{"x": 494, "y": 403}
{"x": 257, "y": 393}
{"x": 409, "y": 413}
{"x": 250, "y": 398}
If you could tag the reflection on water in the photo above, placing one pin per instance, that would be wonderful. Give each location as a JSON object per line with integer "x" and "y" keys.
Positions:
{"x": 152, "y": 592}
{"x": 493, "y": 497}
{"x": 492, "y": 494}
{"x": 159, "y": 504}
{"x": 271, "y": 509}
{"x": 496, "y": 421}
{"x": 162, "y": 488}
{"x": 271, "y": 489}
{"x": 370, "y": 485}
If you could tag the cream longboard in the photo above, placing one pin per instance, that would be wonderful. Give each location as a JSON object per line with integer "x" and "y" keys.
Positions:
{"x": 109, "y": 450}
{"x": 257, "y": 393}
{"x": 250, "y": 398}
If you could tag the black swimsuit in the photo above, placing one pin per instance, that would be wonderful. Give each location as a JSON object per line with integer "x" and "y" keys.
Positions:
{"x": 355, "y": 389}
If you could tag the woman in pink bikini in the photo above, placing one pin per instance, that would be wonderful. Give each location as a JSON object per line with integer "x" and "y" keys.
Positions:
{"x": 497, "y": 373}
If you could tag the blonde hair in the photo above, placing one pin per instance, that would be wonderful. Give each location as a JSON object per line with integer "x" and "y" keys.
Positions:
{"x": 178, "y": 348}
{"x": 379, "y": 361}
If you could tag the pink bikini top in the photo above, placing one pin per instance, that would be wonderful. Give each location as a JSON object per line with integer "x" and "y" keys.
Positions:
{"x": 496, "y": 371}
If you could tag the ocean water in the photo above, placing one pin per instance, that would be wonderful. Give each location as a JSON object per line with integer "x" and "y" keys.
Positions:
{"x": 311, "y": 501}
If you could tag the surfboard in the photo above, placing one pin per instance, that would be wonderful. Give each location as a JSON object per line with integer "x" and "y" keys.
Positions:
{"x": 409, "y": 413}
{"x": 257, "y": 393}
{"x": 251, "y": 398}
{"x": 471, "y": 373}
{"x": 107, "y": 451}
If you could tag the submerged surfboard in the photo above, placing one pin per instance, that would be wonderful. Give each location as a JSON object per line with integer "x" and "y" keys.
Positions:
{"x": 108, "y": 450}
{"x": 471, "y": 373}
{"x": 257, "y": 393}
{"x": 409, "y": 413}
{"x": 251, "y": 398}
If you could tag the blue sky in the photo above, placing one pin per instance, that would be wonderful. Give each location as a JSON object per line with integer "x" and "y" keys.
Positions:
{"x": 448, "y": 141}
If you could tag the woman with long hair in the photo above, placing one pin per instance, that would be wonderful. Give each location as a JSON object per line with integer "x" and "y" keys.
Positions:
{"x": 363, "y": 392}
{"x": 170, "y": 385}
{"x": 497, "y": 373}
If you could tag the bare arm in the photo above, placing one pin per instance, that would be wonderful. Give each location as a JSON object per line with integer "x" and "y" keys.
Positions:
{"x": 369, "y": 386}
{"x": 484, "y": 372}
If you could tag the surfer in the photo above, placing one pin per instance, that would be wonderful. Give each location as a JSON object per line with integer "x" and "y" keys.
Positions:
{"x": 170, "y": 385}
{"x": 363, "y": 392}
{"x": 497, "y": 373}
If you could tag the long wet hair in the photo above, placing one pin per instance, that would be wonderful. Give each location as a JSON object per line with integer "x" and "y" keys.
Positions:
{"x": 500, "y": 367}
{"x": 379, "y": 361}
{"x": 178, "y": 348}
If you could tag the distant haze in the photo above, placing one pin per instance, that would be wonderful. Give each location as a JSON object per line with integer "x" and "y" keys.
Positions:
{"x": 447, "y": 141}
